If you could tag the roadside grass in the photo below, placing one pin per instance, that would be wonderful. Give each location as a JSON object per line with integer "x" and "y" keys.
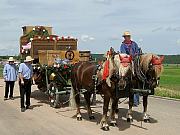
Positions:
{"x": 164, "y": 92}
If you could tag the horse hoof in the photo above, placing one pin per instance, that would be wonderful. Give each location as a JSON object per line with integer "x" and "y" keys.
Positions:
{"x": 129, "y": 120}
{"x": 113, "y": 124}
{"x": 91, "y": 117}
{"x": 79, "y": 118}
{"x": 146, "y": 120}
{"x": 106, "y": 128}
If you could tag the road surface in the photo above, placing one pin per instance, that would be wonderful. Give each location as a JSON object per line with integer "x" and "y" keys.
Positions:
{"x": 44, "y": 120}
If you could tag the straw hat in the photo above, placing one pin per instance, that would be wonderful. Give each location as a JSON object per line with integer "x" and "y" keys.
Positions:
{"x": 28, "y": 59}
{"x": 126, "y": 33}
{"x": 11, "y": 59}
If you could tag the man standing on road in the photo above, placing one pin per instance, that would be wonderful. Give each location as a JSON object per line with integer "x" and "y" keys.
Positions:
{"x": 10, "y": 76}
{"x": 25, "y": 81}
{"x": 131, "y": 48}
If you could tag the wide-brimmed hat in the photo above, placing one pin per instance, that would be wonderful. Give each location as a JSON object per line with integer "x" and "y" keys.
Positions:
{"x": 28, "y": 59}
{"x": 11, "y": 59}
{"x": 126, "y": 33}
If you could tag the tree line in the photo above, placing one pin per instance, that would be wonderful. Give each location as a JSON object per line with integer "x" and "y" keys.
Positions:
{"x": 169, "y": 59}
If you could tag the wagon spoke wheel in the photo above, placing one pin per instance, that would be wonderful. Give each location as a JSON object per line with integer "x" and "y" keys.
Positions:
{"x": 53, "y": 96}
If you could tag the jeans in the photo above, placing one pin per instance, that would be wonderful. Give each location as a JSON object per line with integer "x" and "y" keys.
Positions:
{"x": 25, "y": 90}
{"x": 136, "y": 99}
{"x": 9, "y": 84}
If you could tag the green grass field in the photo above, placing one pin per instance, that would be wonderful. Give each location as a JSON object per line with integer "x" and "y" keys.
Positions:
{"x": 171, "y": 78}
{"x": 170, "y": 82}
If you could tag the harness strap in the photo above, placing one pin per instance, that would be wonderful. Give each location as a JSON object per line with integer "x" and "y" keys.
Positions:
{"x": 141, "y": 76}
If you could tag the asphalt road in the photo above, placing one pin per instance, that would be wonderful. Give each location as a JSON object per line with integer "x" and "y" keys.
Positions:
{"x": 44, "y": 120}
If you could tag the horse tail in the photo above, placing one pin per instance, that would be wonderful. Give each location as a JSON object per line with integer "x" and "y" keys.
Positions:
{"x": 72, "y": 102}
{"x": 72, "y": 98}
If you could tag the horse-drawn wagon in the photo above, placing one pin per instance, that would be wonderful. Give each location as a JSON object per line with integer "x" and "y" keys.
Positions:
{"x": 53, "y": 58}
{"x": 57, "y": 68}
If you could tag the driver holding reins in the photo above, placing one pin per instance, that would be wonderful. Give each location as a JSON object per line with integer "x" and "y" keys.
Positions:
{"x": 131, "y": 48}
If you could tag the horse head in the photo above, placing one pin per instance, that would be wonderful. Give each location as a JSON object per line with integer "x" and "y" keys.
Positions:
{"x": 123, "y": 64}
{"x": 152, "y": 67}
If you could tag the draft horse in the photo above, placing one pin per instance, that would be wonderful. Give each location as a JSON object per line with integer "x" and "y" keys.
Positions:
{"x": 108, "y": 79}
{"x": 151, "y": 67}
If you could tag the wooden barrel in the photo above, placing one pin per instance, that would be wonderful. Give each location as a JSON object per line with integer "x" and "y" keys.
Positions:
{"x": 84, "y": 55}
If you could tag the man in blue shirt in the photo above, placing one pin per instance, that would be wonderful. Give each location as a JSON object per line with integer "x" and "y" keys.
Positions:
{"x": 10, "y": 76}
{"x": 131, "y": 48}
{"x": 25, "y": 81}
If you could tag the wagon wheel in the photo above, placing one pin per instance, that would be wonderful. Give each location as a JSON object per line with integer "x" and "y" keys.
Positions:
{"x": 69, "y": 55}
{"x": 53, "y": 96}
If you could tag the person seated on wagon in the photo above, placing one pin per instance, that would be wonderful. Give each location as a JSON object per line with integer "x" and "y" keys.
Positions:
{"x": 131, "y": 48}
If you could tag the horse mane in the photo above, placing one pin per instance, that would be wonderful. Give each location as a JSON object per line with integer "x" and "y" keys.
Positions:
{"x": 119, "y": 67}
{"x": 145, "y": 60}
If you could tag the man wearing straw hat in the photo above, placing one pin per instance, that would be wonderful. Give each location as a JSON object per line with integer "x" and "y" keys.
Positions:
{"x": 131, "y": 48}
{"x": 10, "y": 76}
{"x": 25, "y": 81}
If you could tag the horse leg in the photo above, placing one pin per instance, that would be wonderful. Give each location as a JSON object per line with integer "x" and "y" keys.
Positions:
{"x": 87, "y": 97}
{"x": 145, "y": 115}
{"x": 114, "y": 107}
{"x": 129, "y": 113}
{"x": 104, "y": 124}
{"x": 78, "y": 114}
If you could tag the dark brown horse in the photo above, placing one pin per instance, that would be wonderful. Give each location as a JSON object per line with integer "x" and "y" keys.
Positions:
{"x": 151, "y": 66}
{"x": 82, "y": 79}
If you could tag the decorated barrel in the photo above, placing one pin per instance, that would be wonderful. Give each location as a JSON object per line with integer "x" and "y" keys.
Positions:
{"x": 84, "y": 55}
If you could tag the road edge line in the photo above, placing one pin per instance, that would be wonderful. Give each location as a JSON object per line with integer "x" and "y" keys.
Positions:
{"x": 167, "y": 98}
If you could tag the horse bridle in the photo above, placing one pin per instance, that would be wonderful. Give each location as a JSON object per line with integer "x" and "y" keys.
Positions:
{"x": 151, "y": 75}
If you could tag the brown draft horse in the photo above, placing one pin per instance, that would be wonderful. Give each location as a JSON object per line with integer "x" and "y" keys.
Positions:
{"x": 151, "y": 66}
{"x": 82, "y": 79}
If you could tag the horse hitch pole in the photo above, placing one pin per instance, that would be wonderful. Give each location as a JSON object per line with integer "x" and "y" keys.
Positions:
{"x": 142, "y": 91}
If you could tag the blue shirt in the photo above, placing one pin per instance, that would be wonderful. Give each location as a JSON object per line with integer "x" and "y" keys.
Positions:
{"x": 130, "y": 49}
{"x": 26, "y": 70}
{"x": 10, "y": 72}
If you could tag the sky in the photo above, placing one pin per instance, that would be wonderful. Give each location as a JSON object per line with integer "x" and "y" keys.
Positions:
{"x": 97, "y": 24}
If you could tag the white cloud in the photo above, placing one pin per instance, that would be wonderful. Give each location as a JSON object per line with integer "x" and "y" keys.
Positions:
{"x": 157, "y": 29}
{"x": 178, "y": 41}
{"x": 86, "y": 38}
